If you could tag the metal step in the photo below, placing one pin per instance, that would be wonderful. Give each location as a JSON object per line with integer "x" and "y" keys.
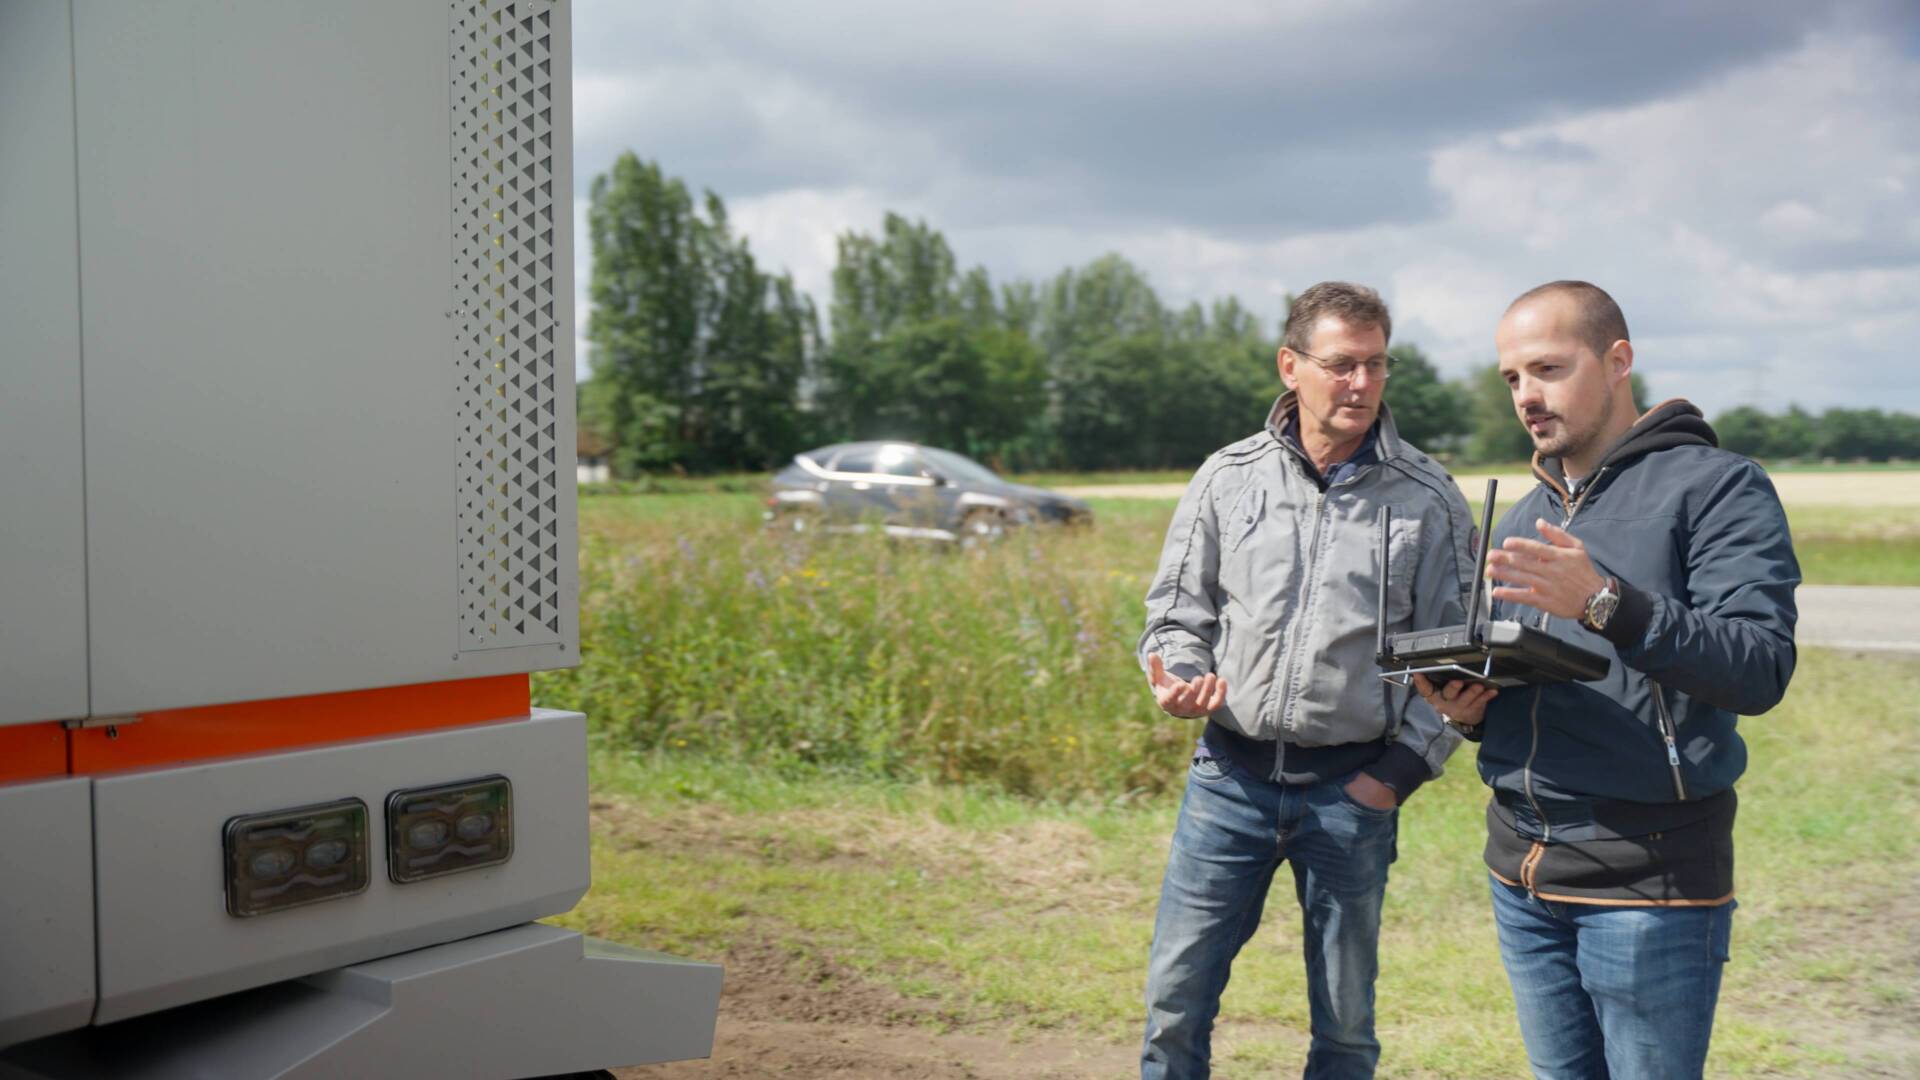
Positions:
{"x": 533, "y": 1000}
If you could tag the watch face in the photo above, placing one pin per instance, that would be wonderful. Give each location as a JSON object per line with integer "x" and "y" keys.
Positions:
{"x": 1600, "y": 609}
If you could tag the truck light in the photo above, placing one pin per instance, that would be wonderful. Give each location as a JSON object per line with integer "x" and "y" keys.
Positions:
{"x": 288, "y": 858}
{"x": 449, "y": 828}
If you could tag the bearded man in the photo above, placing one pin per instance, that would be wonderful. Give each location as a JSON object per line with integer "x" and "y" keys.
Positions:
{"x": 1610, "y": 830}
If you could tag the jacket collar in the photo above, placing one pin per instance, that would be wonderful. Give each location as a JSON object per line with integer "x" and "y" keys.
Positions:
{"x": 1387, "y": 444}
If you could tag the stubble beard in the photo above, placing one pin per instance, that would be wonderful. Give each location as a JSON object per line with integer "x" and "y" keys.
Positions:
{"x": 1574, "y": 441}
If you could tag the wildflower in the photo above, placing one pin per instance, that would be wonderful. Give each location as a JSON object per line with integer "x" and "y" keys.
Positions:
{"x": 756, "y": 579}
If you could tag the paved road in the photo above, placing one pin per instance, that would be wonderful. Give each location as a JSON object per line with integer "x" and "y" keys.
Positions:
{"x": 1874, "y": 618}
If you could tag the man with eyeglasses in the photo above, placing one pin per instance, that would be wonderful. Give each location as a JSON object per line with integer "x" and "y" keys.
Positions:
{"x": 1261, "y": 620}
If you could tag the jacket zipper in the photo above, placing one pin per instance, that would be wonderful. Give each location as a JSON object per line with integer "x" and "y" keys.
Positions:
{"x": 1306, "y": 607}
{"x": 1659, "y": 707}
{"x": 1668, "y": 733}
{"x": 1566, "y": 521}
{"x": 1526, "y": 778}
{"x": 1533, "y": 716}
{"x": 1300, "y": 631}
{"x": 1530, "y": 868}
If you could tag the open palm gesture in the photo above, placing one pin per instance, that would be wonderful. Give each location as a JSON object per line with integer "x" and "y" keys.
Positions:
{"x": 1183, "y": 698}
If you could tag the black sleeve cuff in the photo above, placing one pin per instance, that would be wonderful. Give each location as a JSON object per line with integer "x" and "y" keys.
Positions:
{"x": 1400, "y": 769}
{"x": 1630, "y": 618}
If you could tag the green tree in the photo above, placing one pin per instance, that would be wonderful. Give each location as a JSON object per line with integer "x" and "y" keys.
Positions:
{"x": 942, "y": 382}
{"x": 905, "y": 275}
{"x": 697, "y": 355}
{"x": 1020, "y": 307}
{"x": 1496, "y": 435}
{"x": 1793, "y": 435}
{"x": 1106, "y": 299}
{"x": 922, "y": 352}
{"x": 645, "y": 288}
{"x": 1745, "y": 430}
{"x": 1429, "y": 412}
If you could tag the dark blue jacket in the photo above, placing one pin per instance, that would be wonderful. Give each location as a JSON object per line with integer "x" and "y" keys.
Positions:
{"x": 1703, "y": 634}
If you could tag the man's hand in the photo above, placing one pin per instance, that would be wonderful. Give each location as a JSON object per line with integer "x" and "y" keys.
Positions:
{"x": 1556, "y": 577}
{"x": 1463, "y": 702}
{"x": 1187, "y": 700}
{"x": 1367, "y": 791}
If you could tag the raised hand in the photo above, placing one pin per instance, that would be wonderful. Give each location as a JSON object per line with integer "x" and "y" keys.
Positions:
{"x": 1182, "y": 698}
{"x": 1460, "y": 701}
{"x": 1556, "y": 577}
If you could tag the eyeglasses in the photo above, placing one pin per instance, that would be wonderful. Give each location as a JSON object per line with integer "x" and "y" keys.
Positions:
{"x": 1342, "y": 368}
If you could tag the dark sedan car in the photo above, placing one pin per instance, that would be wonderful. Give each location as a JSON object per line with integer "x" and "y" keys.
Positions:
{"x": 910, "y": 491}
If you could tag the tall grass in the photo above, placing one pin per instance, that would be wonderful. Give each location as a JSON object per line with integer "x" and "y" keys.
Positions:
{"x": 1011, "y": 665}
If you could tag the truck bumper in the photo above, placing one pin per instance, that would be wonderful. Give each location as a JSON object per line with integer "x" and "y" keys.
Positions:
{"x": 532, "y": 1000}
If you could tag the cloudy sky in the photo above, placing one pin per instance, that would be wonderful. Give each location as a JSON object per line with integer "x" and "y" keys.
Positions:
{"x": 1743, "y": 175}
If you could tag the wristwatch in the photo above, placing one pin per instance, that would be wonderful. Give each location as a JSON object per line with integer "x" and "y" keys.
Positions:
{"x": 1600, "y": 606}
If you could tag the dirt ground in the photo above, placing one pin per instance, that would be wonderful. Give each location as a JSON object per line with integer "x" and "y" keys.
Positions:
{"x": 782, "y": 1019}
{"x": 783, "y": 1015}
{"x": 785, "y": 1018}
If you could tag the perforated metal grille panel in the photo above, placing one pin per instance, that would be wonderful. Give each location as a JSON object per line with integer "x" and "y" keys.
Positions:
{"x": 510, "y": 465}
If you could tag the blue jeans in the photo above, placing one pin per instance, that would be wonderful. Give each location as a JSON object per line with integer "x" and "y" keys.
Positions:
{"x": 1234, "y": 831}
{"x": 1625, "y": 993}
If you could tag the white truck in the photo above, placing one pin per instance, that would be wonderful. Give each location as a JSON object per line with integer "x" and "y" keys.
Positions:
{"x": 286, "y": 520}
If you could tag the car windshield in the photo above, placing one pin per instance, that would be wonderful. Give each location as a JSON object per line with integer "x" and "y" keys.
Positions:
{"x": 958, "y": 468}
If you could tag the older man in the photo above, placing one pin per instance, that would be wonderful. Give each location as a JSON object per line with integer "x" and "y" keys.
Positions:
{"x": 1261, "y": 619}
{"x": 1610, "y": 831}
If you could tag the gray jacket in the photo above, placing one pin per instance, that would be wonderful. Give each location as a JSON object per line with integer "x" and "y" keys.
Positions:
{"x": 1269, "y": 580}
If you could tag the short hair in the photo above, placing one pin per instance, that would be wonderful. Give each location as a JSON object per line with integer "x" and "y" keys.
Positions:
{"x": 1356, "y": 305}
{"x": 1598, "y": 319}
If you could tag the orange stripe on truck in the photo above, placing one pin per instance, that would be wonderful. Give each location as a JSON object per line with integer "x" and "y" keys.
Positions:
{"x": 32, "y": 751}
{"x": 176, "y": 736}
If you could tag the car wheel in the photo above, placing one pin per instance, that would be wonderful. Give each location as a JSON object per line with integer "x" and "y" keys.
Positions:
{"x": 981, "y": 527}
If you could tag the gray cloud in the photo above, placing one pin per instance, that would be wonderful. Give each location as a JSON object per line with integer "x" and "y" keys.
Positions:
{"x": 1237, "y": 118}
{"x": 1743, "y": 175}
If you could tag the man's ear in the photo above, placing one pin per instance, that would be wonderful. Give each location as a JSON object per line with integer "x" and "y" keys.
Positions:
{"x": 1285, "y": 361}
{"x": 1620, "y": 360}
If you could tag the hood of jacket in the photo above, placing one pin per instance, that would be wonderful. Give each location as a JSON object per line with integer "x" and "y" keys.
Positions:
{"x": 1676, "y": 422}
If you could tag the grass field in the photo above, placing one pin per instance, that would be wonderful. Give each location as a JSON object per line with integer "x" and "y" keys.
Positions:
{"x": 900, "y": 789}
{"x": 1004, "y": 913}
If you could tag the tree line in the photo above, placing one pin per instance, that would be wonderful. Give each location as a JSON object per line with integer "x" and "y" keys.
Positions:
{"x": 703, "y": 361}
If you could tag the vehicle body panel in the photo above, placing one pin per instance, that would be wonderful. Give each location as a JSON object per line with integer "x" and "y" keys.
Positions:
{"x": 908, "y": 490}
